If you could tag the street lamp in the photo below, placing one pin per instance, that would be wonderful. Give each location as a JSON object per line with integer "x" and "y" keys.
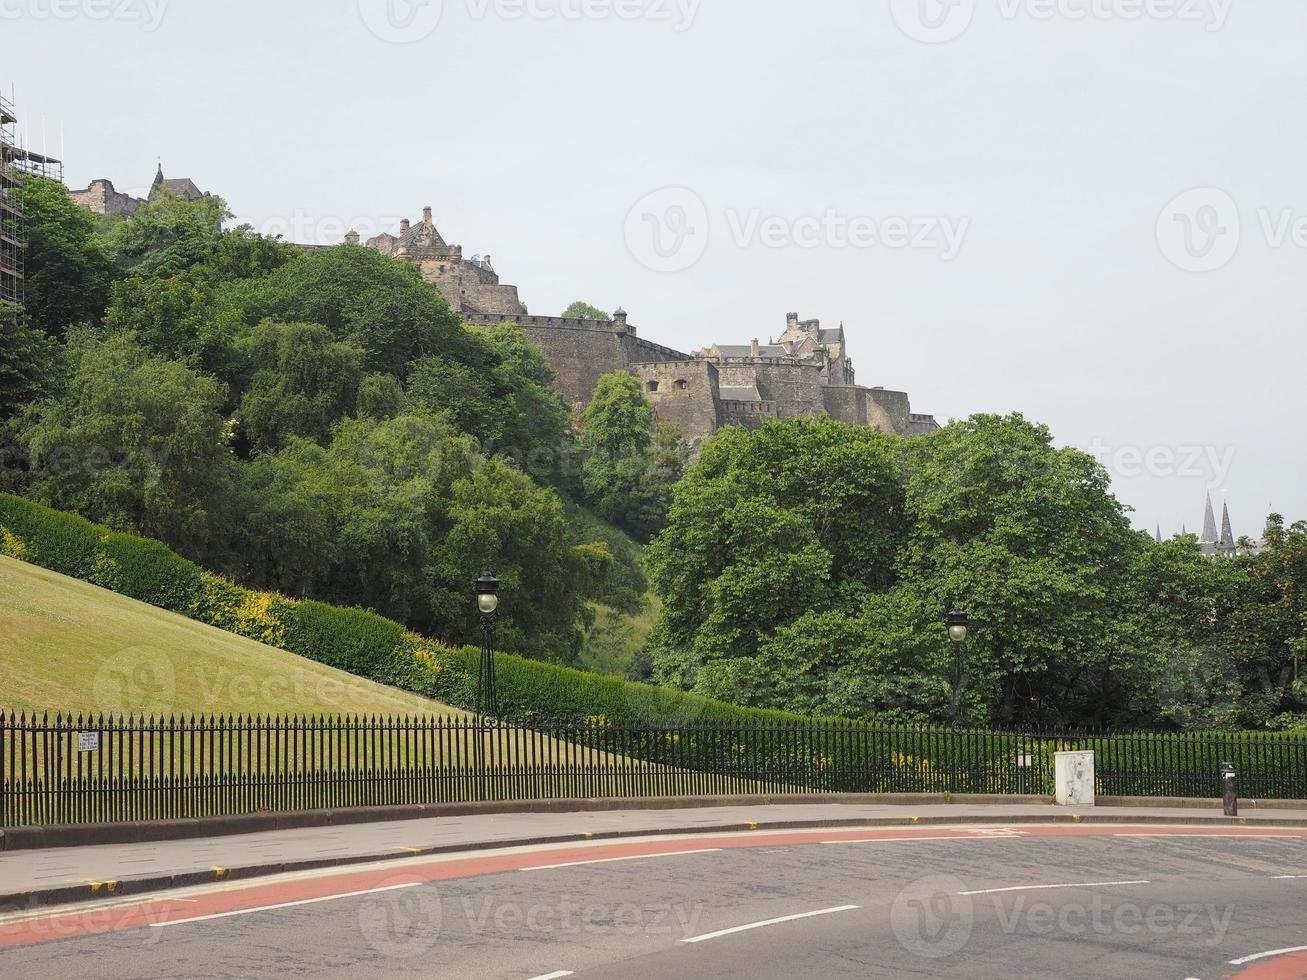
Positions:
{"x": 956, "y": 620}
{"x": 487, "y": 593}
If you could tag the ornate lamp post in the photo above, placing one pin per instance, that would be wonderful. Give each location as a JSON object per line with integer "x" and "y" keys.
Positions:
{"x": 956, "y": 620}
{"x": 487, "y": 593}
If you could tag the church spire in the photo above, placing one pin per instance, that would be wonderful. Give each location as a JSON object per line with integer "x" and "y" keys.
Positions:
{"x": 1209, "y": 538}
{"x": 1227, "y": 534}
{"x": 158, "y": 176}
{"x": 1158, "y": 536}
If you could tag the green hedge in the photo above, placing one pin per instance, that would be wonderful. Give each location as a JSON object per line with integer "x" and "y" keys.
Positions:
{"x": 355, "y": 640}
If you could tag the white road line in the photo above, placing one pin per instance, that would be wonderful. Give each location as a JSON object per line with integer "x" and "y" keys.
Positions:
{"x": 283, "y": 905}
{"x": 629, "y": 857}
{"x": 1269, "y": 953}
{"x": 768, "y": 922}
{"x": 553, "y": 976}
{"x": 1285, "y": 877}
{"x": 1080, "y": 884}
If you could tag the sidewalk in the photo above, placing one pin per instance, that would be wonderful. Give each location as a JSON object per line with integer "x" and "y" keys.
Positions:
{"x": 49, "y": 876}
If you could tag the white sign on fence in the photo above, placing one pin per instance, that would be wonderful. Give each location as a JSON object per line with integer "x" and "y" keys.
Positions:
{"x": 88, "y": 741}
{"x": 1024, "y": 760}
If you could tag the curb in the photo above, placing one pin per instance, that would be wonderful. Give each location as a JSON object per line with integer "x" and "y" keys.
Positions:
{"x": 143, "y": 884}
{"x": 142, "y": 831}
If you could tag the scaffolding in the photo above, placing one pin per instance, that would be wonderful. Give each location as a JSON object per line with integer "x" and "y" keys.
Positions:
{"x": 16, "y": 160}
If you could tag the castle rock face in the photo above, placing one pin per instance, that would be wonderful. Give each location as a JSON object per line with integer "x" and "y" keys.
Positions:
{"x": 807, "y": 372}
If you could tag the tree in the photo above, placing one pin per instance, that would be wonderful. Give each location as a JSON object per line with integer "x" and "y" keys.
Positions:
{"x": 30, "y": 362}
{"x": 301, "y": 382}
{"x": 616, "y": 438}
{"x": 365, "y": 299}
{"x": 1029, "y": 539}
{"x": 68, "y": 271}
{"x": 805, "y": 515}
{"x": 168, "y": 235}
{"x": 400, "y": 515}
{"x": 135, "y": 442}
{"x": 584, "y": 311}
{"x": 1267, "y": 627}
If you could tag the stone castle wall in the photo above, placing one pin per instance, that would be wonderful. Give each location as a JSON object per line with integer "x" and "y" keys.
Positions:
{"x": 686, "y": 393}
{"x": 101, "y": 198}
{"x": 580, "y": 351}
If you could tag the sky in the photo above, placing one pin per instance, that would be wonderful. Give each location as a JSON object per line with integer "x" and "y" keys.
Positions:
{"x": 1087, "y": 211}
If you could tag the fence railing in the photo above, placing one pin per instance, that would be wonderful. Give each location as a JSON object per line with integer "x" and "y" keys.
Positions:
{"x": 65, "y": 769}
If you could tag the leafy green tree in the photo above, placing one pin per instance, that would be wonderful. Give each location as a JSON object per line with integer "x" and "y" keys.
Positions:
{"x": 30, "y": 362}
{"x": 68, "y": 271}
{"x": 1030, "y": 540}
{"x": 301, "y": 382}
{"x": 135, "y": 442}
{"x": 400, "y": 515}
{"x": 805, "y": 515}
{"x": 364, "y": 298}
{"x": 618, "y": 427}
{"x": 472, "y": 399}
{"x": 1267, "y": 628}
{"x": 584, "y": 311}
{"x": 168, "y": 235}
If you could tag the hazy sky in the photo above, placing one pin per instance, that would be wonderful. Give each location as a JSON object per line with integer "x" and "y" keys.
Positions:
{"x": 1090, "y": 211}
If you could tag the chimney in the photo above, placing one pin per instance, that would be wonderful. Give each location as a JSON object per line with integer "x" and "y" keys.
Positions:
{"x": 403, "y": 226}
{"x": 753, "y": 346}
{"x": 791, "y": 321}
{"x": 426, "y": 215}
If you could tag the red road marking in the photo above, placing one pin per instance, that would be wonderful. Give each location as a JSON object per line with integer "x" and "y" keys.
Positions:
{"x": 1290, "y": 966}
{"x": 148, "y": 912}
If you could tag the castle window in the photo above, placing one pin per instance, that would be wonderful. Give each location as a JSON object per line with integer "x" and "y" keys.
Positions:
{"x": 651, "y": 386}
{"x": 681, "y": 384}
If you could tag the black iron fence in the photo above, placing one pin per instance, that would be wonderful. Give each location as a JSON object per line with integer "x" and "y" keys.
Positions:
{"x": 63, "y": 769}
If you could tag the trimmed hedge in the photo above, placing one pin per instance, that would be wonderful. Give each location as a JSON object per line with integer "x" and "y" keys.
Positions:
{"x": 355, "y": 640}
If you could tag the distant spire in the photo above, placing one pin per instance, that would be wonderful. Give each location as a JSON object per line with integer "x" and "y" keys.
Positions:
{"x": 158, "y": 176}
{"x": 1227, "y": 534}
{"x": 1158, "y": 536}
{"x": 1209, "y": 523}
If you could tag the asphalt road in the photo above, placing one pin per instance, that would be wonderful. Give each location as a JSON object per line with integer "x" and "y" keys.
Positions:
{"x": 1027, "y": 902}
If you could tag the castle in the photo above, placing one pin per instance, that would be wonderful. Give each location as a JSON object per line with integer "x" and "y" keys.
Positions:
{"x": 807, "y": 372}
{"x": 100, "y": 197}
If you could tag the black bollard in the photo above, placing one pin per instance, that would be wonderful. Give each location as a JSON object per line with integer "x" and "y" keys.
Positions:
{"x": 1230, "y": 789}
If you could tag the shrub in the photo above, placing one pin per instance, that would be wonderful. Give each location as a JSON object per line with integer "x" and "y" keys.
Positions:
{"x": 352, "y": 639}
{"x": 149, "y": 571}
{"x": 63, "y": 543}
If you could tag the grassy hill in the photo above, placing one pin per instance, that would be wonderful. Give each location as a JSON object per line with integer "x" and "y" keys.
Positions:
{"x": 66, "y": 645}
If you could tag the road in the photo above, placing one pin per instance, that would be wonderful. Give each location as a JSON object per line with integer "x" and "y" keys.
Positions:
{"x": 1032, "y": 901}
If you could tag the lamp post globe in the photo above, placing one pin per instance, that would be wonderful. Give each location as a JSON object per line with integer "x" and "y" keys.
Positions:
{"x": 957, "y": 624}
{"x": 956, "y": 621}
{"x": 486, "y": 589}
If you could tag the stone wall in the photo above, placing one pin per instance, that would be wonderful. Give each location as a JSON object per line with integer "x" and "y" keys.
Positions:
{"x": 580, "y": 351}
{"x": 794, "y": 386}
{"x": 468, "y": 287}
{"x": 685, "y": 393}
{"x": 101, "y": 198}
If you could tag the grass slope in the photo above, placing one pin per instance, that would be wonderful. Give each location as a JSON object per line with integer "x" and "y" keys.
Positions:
{"x": 69, "y": 646}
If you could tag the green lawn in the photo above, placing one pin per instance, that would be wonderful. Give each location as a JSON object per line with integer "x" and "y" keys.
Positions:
{"x": 72, "y": 647}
